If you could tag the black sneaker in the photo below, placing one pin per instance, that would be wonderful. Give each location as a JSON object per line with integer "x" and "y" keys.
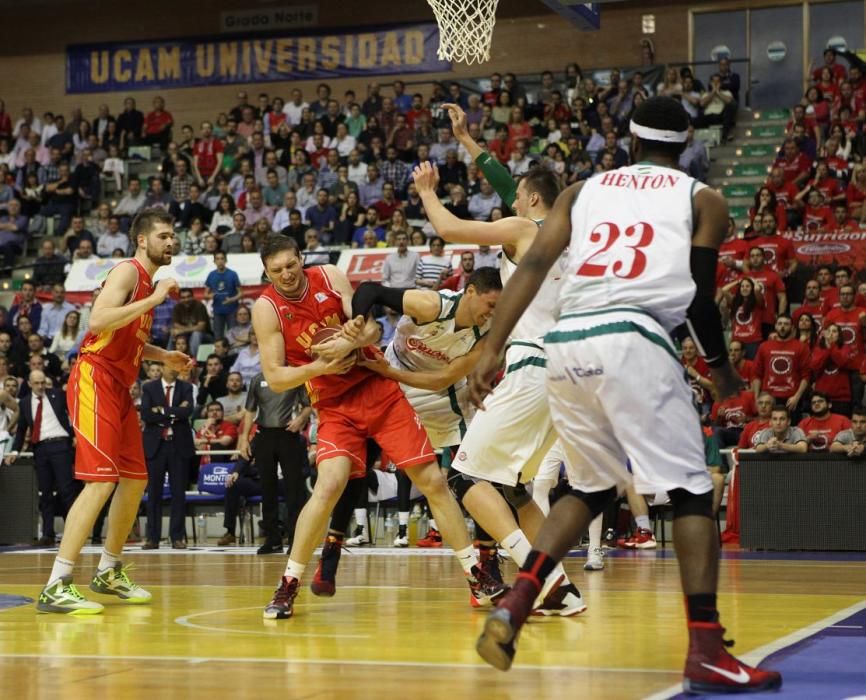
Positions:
{"x": 270, "y": 548}
{"x": 324, "y": 581}
{"x": 282, "y": 605}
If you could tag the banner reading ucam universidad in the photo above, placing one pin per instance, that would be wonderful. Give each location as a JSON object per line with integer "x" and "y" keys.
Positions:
{"x": 148, "y": 65}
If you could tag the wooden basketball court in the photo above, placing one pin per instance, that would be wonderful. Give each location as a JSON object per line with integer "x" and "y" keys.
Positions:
{"x": 400, "y": 626}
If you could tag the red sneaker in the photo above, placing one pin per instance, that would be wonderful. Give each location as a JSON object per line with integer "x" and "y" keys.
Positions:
{"x": 282, "y": 605}
{"x": 641, "y": 539}
{"x": 710, "y": 669}
{"x": 432, "y": 539}
{"x": 488, "y": 563}
{"x": 324, "y": 581}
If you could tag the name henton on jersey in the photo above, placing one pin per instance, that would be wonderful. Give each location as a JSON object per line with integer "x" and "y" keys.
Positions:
{"x": 637, "y": 181}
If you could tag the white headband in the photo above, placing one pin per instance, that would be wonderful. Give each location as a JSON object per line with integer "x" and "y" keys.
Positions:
{"x": 650, "y": 134}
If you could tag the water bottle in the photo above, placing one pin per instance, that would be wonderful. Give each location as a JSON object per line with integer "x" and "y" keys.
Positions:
{"x": 389, "y": 524}
{"x": 201, "y": 526}
{"x": 470, "y": 528}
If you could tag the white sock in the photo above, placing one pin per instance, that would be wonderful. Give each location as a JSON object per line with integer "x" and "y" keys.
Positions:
{"x": 403, "y": 518}
{"x": 295, "y": 570}
{"x": 62, "y": 567}
{"x": 595, "y": 534}
{"x": 431, "y": 524}
{"x": 541, "y": 493}
{"x": 361, "y": 518}
{"x": 468, "y": 558}
{"x": 107, "y": 560}
{"x": 642, "y": 522}
{"x": 517, "y": 546}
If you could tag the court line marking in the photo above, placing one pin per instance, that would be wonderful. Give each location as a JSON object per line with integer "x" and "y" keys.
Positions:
{"x": 184, "y": 620}
{"x": 754, "y": 657}
{"x": 332, "y": 662}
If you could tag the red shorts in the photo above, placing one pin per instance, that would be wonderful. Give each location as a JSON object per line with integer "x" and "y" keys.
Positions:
{"x": 375, "y": 408}
{"x": 109, "y": 445}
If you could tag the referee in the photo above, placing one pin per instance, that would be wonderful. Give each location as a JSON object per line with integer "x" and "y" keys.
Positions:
{"x": 280, "y": 419}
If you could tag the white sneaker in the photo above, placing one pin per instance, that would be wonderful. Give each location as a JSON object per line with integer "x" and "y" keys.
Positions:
{"x": 61, "y": 596}
{"x": 594, "y": 559}
{"x": 402, "y": 538}
{"x": 360, "y": 537}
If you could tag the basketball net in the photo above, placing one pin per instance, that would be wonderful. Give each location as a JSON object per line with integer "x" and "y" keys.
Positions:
{"x": 465, "y": 29}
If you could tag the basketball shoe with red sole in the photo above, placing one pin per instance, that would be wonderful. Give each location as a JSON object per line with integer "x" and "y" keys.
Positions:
{"x": 432, "y": 539}
{"x": 641, "y": 539}
{"x": 488, "y": 562}
{"x": 711, "y": 670}
{"x": 324, "y": 581}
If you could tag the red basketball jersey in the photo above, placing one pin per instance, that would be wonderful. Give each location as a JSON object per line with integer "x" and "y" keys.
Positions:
{"x": 319, "y": 306}
{"x": 118, "y": 352}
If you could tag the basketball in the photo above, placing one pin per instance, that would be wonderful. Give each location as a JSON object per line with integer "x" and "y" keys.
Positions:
{"x": 322, "y": 335}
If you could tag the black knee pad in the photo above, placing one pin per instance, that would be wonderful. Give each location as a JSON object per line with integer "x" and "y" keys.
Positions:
{"x": 460, "y": 484}
{"x": 596, "y": 501}
{"x": 516, "y": 496}
{"x": 688, "y": 503}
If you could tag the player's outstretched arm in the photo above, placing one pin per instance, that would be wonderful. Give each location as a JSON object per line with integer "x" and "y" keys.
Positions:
{"x": 429, "y": 381}
{"x": 497, "y": 175}
{"x": 359, "y": 331}
{"x": 422, "y": 305}
{"x": 506, "y": 231}
{"x": 172, "y": 358}
{"x": 273, "y": 354}
{"x": 552, "y": 239}
{"x": 110, "y": 310}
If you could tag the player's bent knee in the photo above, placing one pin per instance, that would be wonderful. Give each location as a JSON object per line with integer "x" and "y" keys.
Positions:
{"x": 461, "y": 485}
{"x": 687, "y": 503}
{"x": 517, "y": 496}
{"x": 595, "y": 501}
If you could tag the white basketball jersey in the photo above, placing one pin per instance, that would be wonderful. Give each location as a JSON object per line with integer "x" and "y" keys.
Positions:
{"x": 540, "y": 316}
{"x": 432, "y": 346}
{"x": 631, "y": 237}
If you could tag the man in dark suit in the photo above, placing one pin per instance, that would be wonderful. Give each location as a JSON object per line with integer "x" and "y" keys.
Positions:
{"x": 43, "y": 411}
{"x": 166, "y": 407}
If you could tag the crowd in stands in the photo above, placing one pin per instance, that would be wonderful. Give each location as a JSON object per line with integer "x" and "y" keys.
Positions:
{"x": 797, "y": 334}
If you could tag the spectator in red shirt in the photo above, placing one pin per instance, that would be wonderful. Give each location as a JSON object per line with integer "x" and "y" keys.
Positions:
{"x": 746, "y": 302}
{"x": 216, "y": 433}
{"x": 817, "y": 216}
{"x": 157, "y": 125}
{"x": 500, "y": 147}
{"x": 743, "y": 366}
{"x": 826, "y": 184}
{"x": 856, "y": 192}
{"x": 821, "y": 427}
{"x": 698, "y": 372}
{"x": 491, "y": 96}
{"x": 841, "y": 220}
{"x": 812, "y": 304}
{"x": 775, "y": 297}
{"x": 829, "y": 293}
{"x": 764, "y": 403}
{"x": 730, "y": 416}
{"x": 767, "y": 202}
{"x": 208, "y": 154}
{"x": 837, "y": 69}
{"x": 807, "y": 330}
{"x": 830, "y": 356}
{"x": 458, "y": 281}
{"x": 795, "y": 165}
{"x": 417, "y": 112}
{"x": 779, "y": 252}
{"x": 786, "y": 195}
{"x": 850, "y": 319}
{"x": 841, "y": 277}
{"x": 782, "y": 365}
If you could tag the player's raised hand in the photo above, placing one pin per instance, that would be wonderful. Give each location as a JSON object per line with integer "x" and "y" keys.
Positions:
{"x": 353, "y": 328}
{"x": 426, "y": 177}
{"x": 178, "y": 360}
{"x": 166, "y": 287}
{"x": 481, "y": 379}
{"x": 458, "y": 120}
{"x": 377, "y": 364}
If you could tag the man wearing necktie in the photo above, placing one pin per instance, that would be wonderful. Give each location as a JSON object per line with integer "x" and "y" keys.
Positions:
{"x": 166, "y": 407}
{"x": 44, "y": 412}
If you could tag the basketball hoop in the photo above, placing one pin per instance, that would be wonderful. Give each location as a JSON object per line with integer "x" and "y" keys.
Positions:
{"x": 465, "y": 29}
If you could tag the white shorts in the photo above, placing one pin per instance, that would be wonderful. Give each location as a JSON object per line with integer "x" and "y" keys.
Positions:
{"x": 507, "y": 441}
{"x": 617, "y": 390}
{"x": 552, "y": 463}
{"x": 444, "y": 414}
